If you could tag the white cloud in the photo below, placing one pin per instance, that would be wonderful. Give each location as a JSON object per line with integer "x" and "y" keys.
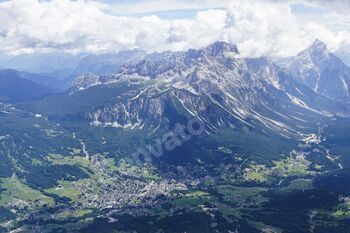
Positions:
{"x": 207, "y": 27}
{"x": 76, "y": 26}
{"x": 338, "y": 41}
{"x": 261, "y": 28}
{"x": 258, "y": 27}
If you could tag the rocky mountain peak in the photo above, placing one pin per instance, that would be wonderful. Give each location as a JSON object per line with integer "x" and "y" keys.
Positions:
{"x": 221, "y": 48}
{"x": 317, "y": 51}
{"x": 318, "y": 45}
{"x": 321, "y": 70}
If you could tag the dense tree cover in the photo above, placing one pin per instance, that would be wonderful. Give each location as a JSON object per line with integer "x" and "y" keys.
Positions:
{"x": 6, "y": 169}
{"x": 5, "y": 214}
{"x": 43, "y": 177}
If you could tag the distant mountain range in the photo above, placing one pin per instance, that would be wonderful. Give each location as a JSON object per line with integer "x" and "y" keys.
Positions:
{"x": 106, "y": 63}
{"x": 41, "y": 63}
{"x": 59, "y": 69}
{"x": 18, "y": 86}
{"x": 314, "y": 67}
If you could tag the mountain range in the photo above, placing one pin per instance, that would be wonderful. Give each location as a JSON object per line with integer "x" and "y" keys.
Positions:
{"x": 248, "y": 92}
{"x": 20, "y": 86}
{"x": 274, "y": 146}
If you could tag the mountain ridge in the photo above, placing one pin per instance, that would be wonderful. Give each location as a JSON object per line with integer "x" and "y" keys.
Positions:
{"x": 322, "y": 71}
{"x": 17, "y": 86}
{"x": 249, "y": 91}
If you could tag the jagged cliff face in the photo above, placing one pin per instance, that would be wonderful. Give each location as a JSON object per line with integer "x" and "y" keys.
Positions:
{"x": 213, "y": 84}
{"x": 84, "y": 81}
{"x": 322, "y": 71}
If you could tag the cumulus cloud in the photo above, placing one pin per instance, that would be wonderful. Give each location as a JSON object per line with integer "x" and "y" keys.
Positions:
{"x": 258, "y": 27}
{"x": 270, "y": 28}
{"x": 76, "y": 26}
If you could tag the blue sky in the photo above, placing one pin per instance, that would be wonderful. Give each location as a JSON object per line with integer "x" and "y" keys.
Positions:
{"x": 117, "y": 7}
{"x": 163, "y": 8}
{"x": 187, "y": 9}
